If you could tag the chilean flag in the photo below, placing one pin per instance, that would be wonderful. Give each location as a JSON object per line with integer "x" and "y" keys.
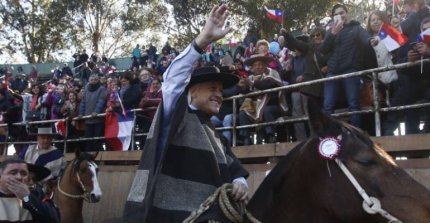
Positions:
{"x": 425, "y": 37}
{"x": 118, "y": 129}
{"x": 391, "y": 37}
{"x": 60, "y": 128}
{"x": 274, "y": 14}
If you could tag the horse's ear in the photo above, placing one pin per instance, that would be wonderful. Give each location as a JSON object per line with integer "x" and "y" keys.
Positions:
{"x": 319, "y": 123}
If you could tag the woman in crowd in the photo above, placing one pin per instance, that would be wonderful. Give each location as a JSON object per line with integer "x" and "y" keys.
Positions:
{"x": 383, "y": 56}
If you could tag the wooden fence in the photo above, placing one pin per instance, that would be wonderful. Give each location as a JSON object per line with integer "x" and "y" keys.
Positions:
{"x": 117, "y": 169}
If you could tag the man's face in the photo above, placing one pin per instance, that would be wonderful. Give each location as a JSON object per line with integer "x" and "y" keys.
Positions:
{"x": 11, "y": 173}
{"x": 207, "y": 96}
{"x": 94, "y": 80}
{"x": 259, "y": 67}
{"x": 343, "y": 14}
{"x": 44, "y": 141}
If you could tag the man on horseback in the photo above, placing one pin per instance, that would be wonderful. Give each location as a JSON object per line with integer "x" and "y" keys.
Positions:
{"x": 185, "y": 160}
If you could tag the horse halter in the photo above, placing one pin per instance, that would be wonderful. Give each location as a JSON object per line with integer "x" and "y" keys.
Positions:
{"x": 371, "y": 205}
{"x": 86, "y": 195}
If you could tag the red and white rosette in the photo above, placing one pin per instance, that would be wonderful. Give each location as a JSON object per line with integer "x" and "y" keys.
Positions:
{"x": 329, "y": 148}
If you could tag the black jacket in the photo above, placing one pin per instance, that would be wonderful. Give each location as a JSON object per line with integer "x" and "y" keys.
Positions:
{"x": 347, "y": 49}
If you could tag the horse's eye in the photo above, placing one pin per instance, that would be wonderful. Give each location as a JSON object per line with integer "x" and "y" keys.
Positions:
{"x": 366, "y": 162}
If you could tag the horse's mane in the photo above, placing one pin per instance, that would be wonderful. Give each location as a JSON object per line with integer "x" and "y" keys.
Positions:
{"x": 273, "y": 181}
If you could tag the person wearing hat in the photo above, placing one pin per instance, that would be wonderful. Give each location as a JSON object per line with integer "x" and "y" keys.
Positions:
{"x": 44, "y": 153}
{"x": 269, "y": 106}
{"x": 19, "y": 201}
{"x": 185, "y": 159}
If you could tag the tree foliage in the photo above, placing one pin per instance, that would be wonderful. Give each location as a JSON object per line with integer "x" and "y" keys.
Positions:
{"x": 34, "y": 27}
{"x": 111, "y": 25}
{"x": 189, "y": 15}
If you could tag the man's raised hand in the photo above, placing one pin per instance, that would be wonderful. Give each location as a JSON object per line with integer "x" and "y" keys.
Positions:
{"x": 214, "y": 27}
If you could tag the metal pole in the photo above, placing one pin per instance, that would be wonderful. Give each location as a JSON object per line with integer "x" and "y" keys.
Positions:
{"x": 234, "y": 123}
{"x": 6, "y": 144}
{"x": 133, "y": 130}
{"x": 376, "y": 105}
{"x": 66, "y": 135}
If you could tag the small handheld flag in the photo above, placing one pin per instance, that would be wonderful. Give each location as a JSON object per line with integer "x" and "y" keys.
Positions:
{"x": 391, "y": 37}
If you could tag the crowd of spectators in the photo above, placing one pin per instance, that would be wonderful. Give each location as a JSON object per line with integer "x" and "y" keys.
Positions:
{"x": 341, "y": 46}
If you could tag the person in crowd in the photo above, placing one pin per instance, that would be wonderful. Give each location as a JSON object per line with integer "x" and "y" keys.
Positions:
{"x": 93, "y": 102}
{"x": 129, "y": 92}
{"x": 185, "y": 148}
{"x": 145, "y": 78}
{"x": 383, "y": 56}
{"x": 136, "y": 54}
{"x": 249, "y": 38}
{"x": 83, "y": 57}
{"x": 20, "y": 83}
{"x": 344, "y": 43}
{"x": 395, "y": 22}
{"x": 44, "y": 153}
{"x": 33, "y": 74}
{"x": 85, "y": 73}
{"x": 270, "y": 106}
{"x": 152, "y": 53}
{"x": 224, "y": 118}
{"x": 308, "y": 64}
{"x": 415, "y": 86}
{"x": 58, "y": 99}
{"x": 163, "y": 66}
{"x": 239, "y": 53}
{"x": 20, "y": 201}
{"x": 262, "y": 47}
{"x": 67, "y": 70}
{"x": 70, "y": 109}
{"x": 151, "y": 99}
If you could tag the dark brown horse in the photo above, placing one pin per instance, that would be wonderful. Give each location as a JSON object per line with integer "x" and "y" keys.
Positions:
{"x": 305, "y": 187}
{"x": 78, "y": 183}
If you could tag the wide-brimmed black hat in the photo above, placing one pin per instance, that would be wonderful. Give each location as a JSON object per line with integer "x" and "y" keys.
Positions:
{"x": 40, "y": 172}
{"x": 209, "y": 73}
{"x": 258, "y": 57}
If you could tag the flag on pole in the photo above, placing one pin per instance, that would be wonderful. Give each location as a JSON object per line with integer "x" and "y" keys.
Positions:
{"x": 424, "y": 37}
{"x": 118, "y": 129}
{"x": 275, "y": 14}
{"x": 391, "y": 37}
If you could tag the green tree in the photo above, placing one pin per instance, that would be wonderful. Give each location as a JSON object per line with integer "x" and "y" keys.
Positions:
{"x": 246, "y": 14}
{"x": 110, "y": 26}
{"x": 34, "y": 27}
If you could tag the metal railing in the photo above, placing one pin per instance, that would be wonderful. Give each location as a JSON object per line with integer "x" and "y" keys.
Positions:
{"x": 376, "y": 109}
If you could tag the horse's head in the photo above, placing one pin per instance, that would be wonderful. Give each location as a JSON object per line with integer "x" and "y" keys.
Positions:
{"x": 85, "y": 170}
{"x": 376, "y": 172}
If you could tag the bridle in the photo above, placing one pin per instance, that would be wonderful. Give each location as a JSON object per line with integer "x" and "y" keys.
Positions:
{"x": 371, "y": 205}
{"x": 86, "y": 195}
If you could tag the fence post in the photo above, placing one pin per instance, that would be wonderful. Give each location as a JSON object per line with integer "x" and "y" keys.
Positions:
{"x": 234, "y": 123}
{"x": 376, "y": 105}
{"x": 133, "y": 130}
{"x": 6, "y": 145}
{"x": 66, "y": 134}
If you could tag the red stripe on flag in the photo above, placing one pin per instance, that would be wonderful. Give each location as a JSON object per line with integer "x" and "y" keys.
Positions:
{"x": 395, "y": 34}
{"x": 111, "y": 131}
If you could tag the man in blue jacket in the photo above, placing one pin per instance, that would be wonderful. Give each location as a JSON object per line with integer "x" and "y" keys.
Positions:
{"x": 343, "y": 44}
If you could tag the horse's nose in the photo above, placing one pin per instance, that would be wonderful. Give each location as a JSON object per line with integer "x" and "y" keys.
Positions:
{"x": 95, "y": 198}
